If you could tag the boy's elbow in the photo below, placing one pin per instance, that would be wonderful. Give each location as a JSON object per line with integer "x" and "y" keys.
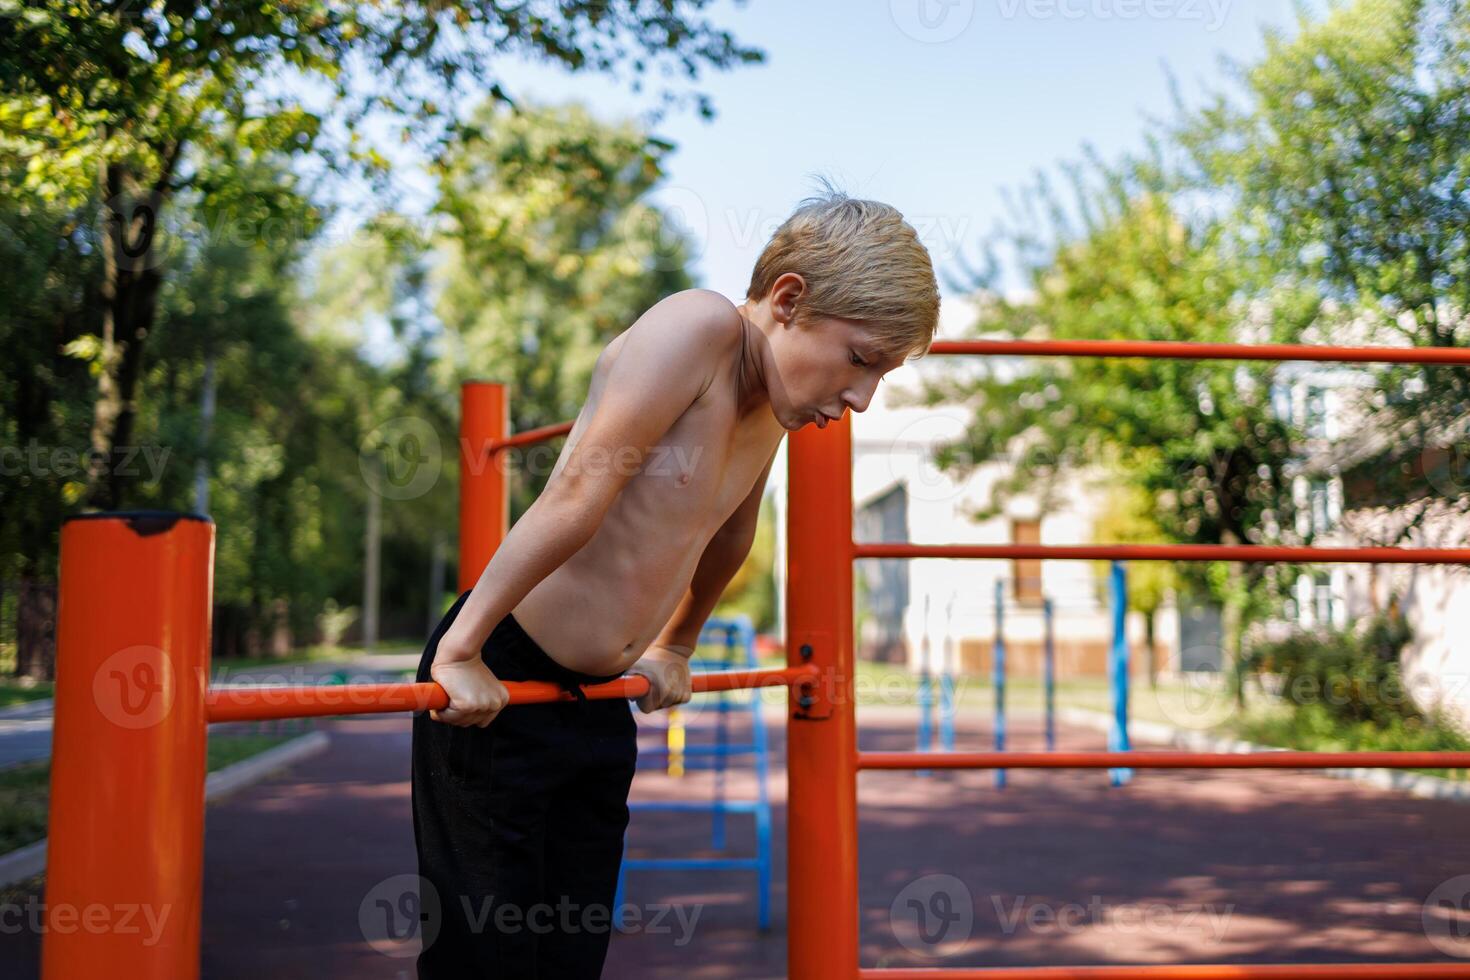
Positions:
{"x": 579, "y": 501}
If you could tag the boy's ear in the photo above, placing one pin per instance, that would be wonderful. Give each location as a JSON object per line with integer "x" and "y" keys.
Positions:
{"x": 788, "y": 288}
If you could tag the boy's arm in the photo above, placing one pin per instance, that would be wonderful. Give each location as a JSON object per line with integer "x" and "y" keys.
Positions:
{"x": 667, "y": 361}
{"x": 666, "y": 661}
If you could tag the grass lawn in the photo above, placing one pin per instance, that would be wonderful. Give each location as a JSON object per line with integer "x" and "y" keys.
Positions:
{"x": 311, "y": 654}
{"x": 1312, "y": 729}
{"x": 14, "y": 691}
{"x": 1197, "y": 704}
{"x": 18, "y": 690}
{"x": 24, "y": 789}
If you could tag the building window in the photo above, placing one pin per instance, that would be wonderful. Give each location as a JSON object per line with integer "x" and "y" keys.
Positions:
{"x": 1026, "y": 572}
{"x": 884, "y": 594}
{"x": 1321, "y": 503}
{"x": 1322, "y": 598}
{"x": 1314, "y": 421}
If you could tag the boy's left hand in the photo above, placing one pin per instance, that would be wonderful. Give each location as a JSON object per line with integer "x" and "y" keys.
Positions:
{"x": 667, "y": 671}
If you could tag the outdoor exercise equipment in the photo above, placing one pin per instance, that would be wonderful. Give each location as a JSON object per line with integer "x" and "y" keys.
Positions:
{"x": 737, "y": 636}
{"x": 133, "y": 703}
{"x": 1118, "y": 667}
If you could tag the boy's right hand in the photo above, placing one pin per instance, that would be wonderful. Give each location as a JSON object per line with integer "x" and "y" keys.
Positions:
{"x": 475, "y": 696}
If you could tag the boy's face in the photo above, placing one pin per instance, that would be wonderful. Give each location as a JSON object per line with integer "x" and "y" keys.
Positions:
{"x": 825, "y": 366}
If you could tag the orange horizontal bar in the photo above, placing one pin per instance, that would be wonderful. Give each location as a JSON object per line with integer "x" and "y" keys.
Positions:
{"x": 530, "y": 436}
{"x": 1168, "y": 552}
{"x": 259, "y": 703}
{"x": 1187, "y": 350}
{"x": 1202, "y": 971}
{"x": 1283, "y": 759}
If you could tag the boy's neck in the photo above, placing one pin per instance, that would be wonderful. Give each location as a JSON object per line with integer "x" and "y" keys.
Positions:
{"x": 755, "y": 353}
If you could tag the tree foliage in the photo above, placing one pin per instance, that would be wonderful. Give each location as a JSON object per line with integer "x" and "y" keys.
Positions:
{"x": 102, "y": 102}
{"x": 1324, "y": 199}
{"x": 1347, "y": 165}
{"x": 550, "y": 248}
{"x": 165, "y": 170}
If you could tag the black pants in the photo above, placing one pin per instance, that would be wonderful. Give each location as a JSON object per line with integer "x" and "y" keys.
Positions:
{"x": 519, "y": 825}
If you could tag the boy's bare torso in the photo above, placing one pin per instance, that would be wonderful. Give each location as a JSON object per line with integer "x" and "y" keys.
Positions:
{"x": 604, "y": 606}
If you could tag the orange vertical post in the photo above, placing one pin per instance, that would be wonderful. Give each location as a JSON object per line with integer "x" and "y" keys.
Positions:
{"x": 822, "y": 915}
{"x": 484, "y": 494}
{"x": 125, "y": 852}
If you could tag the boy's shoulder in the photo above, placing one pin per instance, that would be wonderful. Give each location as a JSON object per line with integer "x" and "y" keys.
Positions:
{"x": 684, "y": 339}
{"x": 700, "y": 317}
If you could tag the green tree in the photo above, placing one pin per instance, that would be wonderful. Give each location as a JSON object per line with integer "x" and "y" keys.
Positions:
{"x": 1129, "y": 519}
{"x": 102, "y": 102}
{"x": 48, "y": 275}
{"x": 752, "y": 590}
{"x": 1198, "y": 439}
{"x": 549, "y": 249}
{"x": 1345, "y": 154}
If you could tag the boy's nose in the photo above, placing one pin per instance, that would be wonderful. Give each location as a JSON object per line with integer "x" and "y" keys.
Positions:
{"x": 858, "y": 399}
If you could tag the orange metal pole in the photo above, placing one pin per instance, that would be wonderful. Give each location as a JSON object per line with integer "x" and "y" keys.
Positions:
{"x": 1283, "y": 759}
{"x": 260, "y": 703}
{"x": 1203, "y": 971}
{"x": 124, "y": 877}
{"x": 1169, "y": 552}
{"x": 822, "y": 912}
{"x": 1188, "y": 350}
{"x": 484, "y": 494}
{"x": 532, "y": 436}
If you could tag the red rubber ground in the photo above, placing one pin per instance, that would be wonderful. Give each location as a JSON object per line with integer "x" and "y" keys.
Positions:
{"x": 1302, "y": 868}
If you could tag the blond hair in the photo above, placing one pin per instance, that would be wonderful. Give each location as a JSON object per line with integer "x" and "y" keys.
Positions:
{"x": 861, "y": 261}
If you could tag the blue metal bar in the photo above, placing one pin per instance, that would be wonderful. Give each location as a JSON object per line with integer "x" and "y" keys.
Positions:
{"x": 722, "y": 725}
{"x": 926, "y": 700}
{"x": 946, "y": 712}
{"x": 692, "y": 864}
{"x": 721, "y": 750}
{"x": 1049, "y": 674}
{"x": 695, "y": 806}
{"x": 738, "y": 633}
{"x": 1118, "y": 665}
{"x": 763, "y": 797}
{"x": 926, "y": 692}
{"x": 946, "y": 681}
{"x": 998, "y": 675}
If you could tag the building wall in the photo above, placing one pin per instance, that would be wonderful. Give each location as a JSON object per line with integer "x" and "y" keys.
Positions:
{"x": 893, "y": 447}
{"x": 1435, "y": 599}
{"x": 954, "y": 600}
{"x": 1328, "y": 404}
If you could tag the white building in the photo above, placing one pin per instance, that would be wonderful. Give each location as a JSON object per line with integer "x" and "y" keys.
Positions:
{"x": 899, "y": 495}
{"x": 1328, "y": 404}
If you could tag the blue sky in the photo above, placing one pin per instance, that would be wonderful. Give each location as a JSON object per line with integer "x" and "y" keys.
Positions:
{"x": 934, "y": 106}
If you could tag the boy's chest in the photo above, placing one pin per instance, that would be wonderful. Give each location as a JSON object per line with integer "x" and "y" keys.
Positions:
{"x": 707, "y": 463}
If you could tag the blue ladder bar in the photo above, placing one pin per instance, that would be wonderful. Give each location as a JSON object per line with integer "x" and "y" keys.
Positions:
{"x": 738, "y": 634}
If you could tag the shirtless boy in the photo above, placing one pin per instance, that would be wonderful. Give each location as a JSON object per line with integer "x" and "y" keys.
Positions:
{"x": 648, "y": 513}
